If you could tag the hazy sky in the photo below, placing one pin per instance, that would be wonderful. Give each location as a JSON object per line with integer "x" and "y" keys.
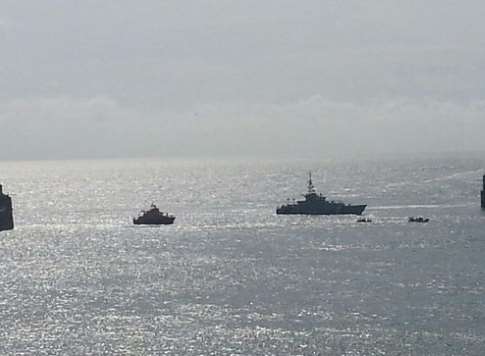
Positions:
{"x": 315, "y": 78}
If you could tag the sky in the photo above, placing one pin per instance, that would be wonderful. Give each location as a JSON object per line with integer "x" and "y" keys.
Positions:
{"x": 258, "y": 78}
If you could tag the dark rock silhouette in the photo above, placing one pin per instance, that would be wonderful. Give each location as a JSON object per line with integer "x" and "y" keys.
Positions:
{"x": 483, "y": 193}
{"x": 6, "y": 211}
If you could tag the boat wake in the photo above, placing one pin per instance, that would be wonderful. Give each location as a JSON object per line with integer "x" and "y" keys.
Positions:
{"x": 419, "y": 206}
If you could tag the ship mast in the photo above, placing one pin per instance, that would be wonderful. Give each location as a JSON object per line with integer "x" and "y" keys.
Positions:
{"x": 311, "y": 188}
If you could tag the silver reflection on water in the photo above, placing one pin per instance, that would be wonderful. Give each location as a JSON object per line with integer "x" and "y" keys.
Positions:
{"x": 231, "y": 277}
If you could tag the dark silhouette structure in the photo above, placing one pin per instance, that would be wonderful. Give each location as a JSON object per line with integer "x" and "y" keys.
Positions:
{"x": 6, "y": 211}
{"x": 483, "y": 193}
{"x": 418, "y": 219}
{"x": 316, "y": 204}
{"x": 154, "y": 217}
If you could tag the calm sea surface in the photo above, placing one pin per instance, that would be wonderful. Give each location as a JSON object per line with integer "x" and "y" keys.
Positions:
{"x": 232, "y": 278}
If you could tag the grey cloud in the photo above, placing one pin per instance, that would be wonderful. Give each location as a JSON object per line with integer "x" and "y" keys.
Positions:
{"x": 117, "y": 78}
{"x": 315, "y": 126}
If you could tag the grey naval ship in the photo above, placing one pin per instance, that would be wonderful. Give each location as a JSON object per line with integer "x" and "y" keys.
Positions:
{"x": 316, "y": 204}
{"x": 6, "y": 213}
{"x": 153, "y": 217}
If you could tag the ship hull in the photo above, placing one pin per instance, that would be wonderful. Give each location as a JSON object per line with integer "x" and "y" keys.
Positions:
{"x": 341, "y": 210}
{"x": 164, "y": 221}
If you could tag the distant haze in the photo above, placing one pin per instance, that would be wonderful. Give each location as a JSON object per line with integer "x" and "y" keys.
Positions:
{"x": 117, "y": 78}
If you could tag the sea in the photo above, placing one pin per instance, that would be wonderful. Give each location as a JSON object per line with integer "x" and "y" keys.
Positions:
{"x": 230, "y": 277}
